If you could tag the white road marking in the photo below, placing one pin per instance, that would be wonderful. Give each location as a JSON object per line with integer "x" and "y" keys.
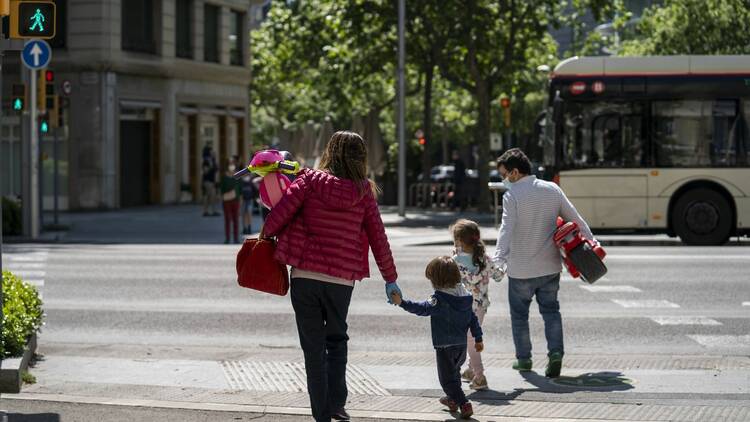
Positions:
{"x": 20, "y": 266}
{"x": 745, "y": 303}
{"x": 722, "y": 340}
{"x": 684, "y": 320}
{"x": 27, "y": 258}
{"x": 29, "y": 274}
{"x": 611, "y": 289}
{"x": 645, "y": 303}
{"x": 677, "y": 257}
{"x": 37, "y": 283}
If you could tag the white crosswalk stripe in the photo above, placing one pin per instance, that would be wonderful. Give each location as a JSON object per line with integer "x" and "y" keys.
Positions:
{"x": 684, "y": 320}
{"x": 722, "y": 340}
{"x": 20, "y": 266}
{"x": 645, "y": 303}
{"x": 611, "y": 289}
{"x": 745, "y": 303}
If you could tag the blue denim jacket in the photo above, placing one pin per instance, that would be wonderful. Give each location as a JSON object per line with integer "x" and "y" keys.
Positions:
{"x": 451, "y": 316}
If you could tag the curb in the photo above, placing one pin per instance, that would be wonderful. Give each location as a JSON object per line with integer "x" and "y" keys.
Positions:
{"x": 10, "y": 373}
{"x": 269, "y": 410}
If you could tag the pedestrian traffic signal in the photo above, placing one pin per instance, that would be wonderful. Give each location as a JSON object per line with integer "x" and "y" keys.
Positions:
{"x": 44, "y": 126}
{"x": 18, "y": 98}
{"x": 32, "y": 19}
{"x": 49, "y": 76}
{"x": 422, "y": 141}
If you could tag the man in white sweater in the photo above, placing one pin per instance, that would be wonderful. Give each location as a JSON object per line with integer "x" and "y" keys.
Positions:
{"x": 525, "y": 246}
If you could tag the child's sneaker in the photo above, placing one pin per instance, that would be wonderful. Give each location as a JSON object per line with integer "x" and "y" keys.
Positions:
{"x": 468, "y": 374}
{"x": 466, "y": 410}
{"x": 522, "y": 365}
{"x": 554, "y": 365}
{"x": 449, "y": 403}
{"x": 479, "y": 383}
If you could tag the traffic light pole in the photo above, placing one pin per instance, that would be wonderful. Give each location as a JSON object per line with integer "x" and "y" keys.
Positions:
{"x": 30, "y": 199}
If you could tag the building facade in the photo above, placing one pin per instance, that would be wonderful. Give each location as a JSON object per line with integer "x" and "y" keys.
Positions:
{"x": 151, "y": 82}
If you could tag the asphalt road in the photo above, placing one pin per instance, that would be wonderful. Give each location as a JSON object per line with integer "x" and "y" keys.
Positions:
{"x": 151, "y": 302}
{"x": 187, "y": 296}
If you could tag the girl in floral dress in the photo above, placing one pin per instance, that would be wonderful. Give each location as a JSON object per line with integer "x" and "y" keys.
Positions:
{"x": 476, "y": 270}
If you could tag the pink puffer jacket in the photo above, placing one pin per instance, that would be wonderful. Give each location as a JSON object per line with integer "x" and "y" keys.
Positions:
{"x": 324, "y": 224}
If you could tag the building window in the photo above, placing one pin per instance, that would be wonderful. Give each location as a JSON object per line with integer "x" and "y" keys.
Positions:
{"x": 211, "y": 33}
{"x": 236, "y": 39}
{"x": 139, "y": 26}
{"x": 184, "y": 28}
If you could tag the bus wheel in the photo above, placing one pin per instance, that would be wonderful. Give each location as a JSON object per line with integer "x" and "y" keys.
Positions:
{"x": 702, "y": 217}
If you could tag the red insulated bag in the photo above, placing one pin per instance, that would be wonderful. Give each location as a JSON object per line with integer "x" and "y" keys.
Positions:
{"x": 257, "y": 268}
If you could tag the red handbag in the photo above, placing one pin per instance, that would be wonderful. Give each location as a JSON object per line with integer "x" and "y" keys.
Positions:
{"x": 257, "y": 268}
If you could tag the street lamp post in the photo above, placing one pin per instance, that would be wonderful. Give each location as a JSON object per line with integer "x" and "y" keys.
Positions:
{"x": 401, "y": 111}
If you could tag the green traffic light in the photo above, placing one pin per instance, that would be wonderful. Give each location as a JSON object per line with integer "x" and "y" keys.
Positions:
{"x": 45, "y": 126}
{"x": 38, "y": 20}
{"x": 17, "y": 104}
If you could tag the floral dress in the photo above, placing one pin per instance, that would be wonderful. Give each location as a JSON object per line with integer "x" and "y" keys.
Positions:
{"x": 476, "y": 281}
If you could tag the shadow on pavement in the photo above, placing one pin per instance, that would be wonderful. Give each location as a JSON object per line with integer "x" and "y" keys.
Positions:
{"x": 39, "y": 417}
{"x": 606, "y": 381}
{"x": 591, "y": 381}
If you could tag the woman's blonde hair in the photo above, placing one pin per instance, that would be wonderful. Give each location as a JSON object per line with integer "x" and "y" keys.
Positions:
{"x": 346, "y": 157}
{"x": 467, "y": 232}
{"x": 443, "y": 273}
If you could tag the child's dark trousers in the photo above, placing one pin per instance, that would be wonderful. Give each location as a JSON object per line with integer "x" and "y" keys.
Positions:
{"x": 449, "y": 361}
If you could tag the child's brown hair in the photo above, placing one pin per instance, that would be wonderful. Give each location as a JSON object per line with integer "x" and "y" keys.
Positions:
{"x": 467, "y": 232}
{"x": 443, "y": 272}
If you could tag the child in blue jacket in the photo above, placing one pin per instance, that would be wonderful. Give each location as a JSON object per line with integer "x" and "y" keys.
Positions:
{"x": 451, "y": 317}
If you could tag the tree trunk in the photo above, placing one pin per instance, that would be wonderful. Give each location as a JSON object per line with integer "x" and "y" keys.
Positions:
{"x": 483, "y": 140}
{"x": 427, "y": 124}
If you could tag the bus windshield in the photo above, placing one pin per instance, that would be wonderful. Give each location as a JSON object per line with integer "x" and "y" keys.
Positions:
{"x": 668, "y": 133}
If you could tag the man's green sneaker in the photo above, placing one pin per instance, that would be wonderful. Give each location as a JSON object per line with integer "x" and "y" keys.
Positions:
{"x": 522, "y": 365}
{"x": 554, "y": 365}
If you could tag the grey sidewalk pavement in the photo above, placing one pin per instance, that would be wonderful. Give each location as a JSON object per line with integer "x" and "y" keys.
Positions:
{"x": 403, "y": 386}
{"x": 163, "y": 224}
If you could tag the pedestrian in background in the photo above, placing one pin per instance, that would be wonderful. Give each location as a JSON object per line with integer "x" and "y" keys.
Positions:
{"x": 451, "y": 318}
{"x": 526, "y": 248}
{"x": 476, "y": 270}
{"x": 231, "y": 189}
{"x": 209, "y": 170}
{"x": 249, "y": 195}
{"x": 326, "y": 221}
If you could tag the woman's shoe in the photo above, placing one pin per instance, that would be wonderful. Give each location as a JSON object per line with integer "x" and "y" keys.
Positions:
{"x": 468, "y": 374}
{"x": 466, "y": 410}
{"x": 340, "y": 415}
{"x": 479, "y": 383}
{"x": 449, "y": 403}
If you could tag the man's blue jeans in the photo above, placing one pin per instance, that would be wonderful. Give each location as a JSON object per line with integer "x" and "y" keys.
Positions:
{"x": 520, "y": 292}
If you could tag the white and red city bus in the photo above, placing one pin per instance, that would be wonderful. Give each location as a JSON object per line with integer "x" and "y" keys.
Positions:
{"x": 659, "y": 144}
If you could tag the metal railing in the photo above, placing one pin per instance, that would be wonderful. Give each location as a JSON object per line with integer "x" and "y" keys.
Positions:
{"x": 431, "y": 195}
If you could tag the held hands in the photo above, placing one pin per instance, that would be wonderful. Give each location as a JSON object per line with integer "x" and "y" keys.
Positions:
{"x": 390, "y": 289}
{"x": 479, "y": 347}
{"x": 396, "y": 298}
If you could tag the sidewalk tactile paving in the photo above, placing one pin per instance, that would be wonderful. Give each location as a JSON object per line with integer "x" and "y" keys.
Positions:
{"x": 290, "y": 377}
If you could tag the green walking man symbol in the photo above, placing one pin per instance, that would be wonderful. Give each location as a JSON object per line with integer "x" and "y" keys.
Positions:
{"x": 38, "y": 18}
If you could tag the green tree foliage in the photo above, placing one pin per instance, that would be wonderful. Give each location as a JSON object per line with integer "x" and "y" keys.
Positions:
{"x": 693, "y": 27}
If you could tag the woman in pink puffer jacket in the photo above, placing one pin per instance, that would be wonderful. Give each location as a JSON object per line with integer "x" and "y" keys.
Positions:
{"x": 325, "y": 224}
